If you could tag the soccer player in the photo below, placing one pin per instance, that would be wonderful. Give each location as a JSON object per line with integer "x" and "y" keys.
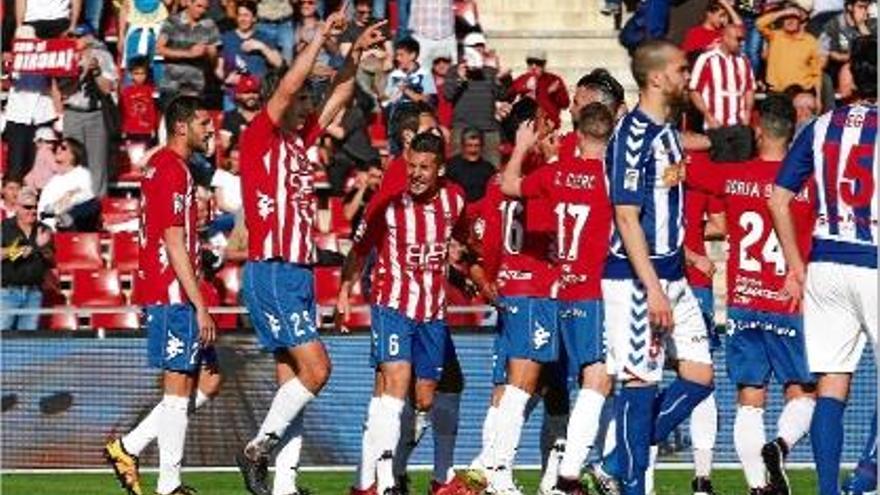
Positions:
{"x": 180, "y": 332}
{"x": 408, "y": 299}
{"x": 576, "y": 192}
{"x": 278, "y": 286}
{"x": 649, "y": 306}
{"x": 766, "y": 332}
{"x": 839, "y": 287}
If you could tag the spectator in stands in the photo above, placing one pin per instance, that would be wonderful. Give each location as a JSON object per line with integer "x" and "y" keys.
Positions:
{"x": 838, "y": 36}
{"x": 29, "y": 106}
{"x": 9, "y": 197}
{"x": 366, "y": 184}
{"x": 50, "y": 19}
{"x": 351, "y": 142}
{"x": 546, "y": 88}
{"x": 722, "y": 83}
{"x": 792, "y": 53}
{"x": 469, "y": 169}
{"x": 68, "y": 200}
{"x": 377, "y": 61}
{"x": 409, "y": 82}
{"x": 227, "y": 184}
{"x": 275, "y": 23}
{"x": 27, "y": 257}
{"x": 140, "y": 117}
{"x": 431, "y": 23}
{"x": 247, "y": 105}
{"x": 44, "y": 161}
{"x": 719, "y": 13}
{"x": 821, "y": 12}
{"x": 188, "y": 42}
{"x": 83, "y": 106}
{"x": 139, "y": 24}
{"x": 440, "y": 69}
{"x": 806, "y": 107}
{"x": 246, "y": 50}
{"x": 308, "y": 25}
{"x": 598, "y": 86}
{"x": 467, "y": 18}
{"x": 473, "y": 89}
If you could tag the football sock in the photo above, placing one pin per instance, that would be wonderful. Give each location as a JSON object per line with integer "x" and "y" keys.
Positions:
{"x": 704, "y": 429}
{"x": 387, "y": 427}
{"x": 365, "y": 476}
{"x": 511, "y": 415}
{"x": 649, "y": 473}
{"x": 444, "y": 418}
{"x": 583, "y": 425}
{"x": 290, "y": 399}
{"x": 200, "y": 400}
{"x": 748, "y": 439}
{"x": 287, "y": 460}
{"x": 148, "y": 429}
{"x": 608, "y": 437}
{"x": 172, "y": 436}
{"x": 407, "y": 441}
{"x": 551, "y": 470}
{"x": 676, "y": 404}
{"x": 552, "y": 448}
{"x": 485, "y": 457}
{"x": 826, "y": 435}
{"x": 635, "y": 418}
{"x": 794, "y": 421}
{"x": 869, "y": 454}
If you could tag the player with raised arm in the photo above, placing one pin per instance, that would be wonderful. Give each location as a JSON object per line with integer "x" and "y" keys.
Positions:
{"x": 409, "y": 334}
{"x": 278, "y": 285}
{"x": 766, "y": 333}
{"x": 649, "y": 306}
{"x": 839, "y": 286}
{"x": 576, "y": 192}
{"x": 180, "y": 332}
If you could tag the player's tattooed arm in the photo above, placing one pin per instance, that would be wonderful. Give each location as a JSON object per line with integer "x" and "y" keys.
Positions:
{"x": 783, "y": 223}
{"x": 511, "y": 177}
{"x": 186, "y": 274}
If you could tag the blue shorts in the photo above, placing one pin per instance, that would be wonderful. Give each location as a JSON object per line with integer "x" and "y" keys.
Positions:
{"x": 582, "y": 327}
{"x": 280, "y": 298}
{"x": 499, "y": 358}
{"x": 425, "y": 345}
{"x": 706, "y": 299}
{"x": 530, "y": 327}
{"x": 173, "y": 339}
{"x": 762, "y": 343}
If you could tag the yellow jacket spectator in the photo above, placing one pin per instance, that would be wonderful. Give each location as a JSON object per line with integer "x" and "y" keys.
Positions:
{"x": 792, "y": 53}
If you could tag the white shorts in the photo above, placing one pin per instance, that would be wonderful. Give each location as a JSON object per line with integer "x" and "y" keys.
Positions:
{"x": 840, "y": 315}
{"x": 637, "y": 351}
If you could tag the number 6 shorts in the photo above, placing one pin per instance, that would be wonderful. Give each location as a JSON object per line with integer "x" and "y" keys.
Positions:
{"x": 426, "y": 345}
{"x": 635, "y": 350}
{"x": 280, "y": 298}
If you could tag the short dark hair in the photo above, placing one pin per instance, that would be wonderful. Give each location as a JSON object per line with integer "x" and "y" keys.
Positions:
{"x": 182, "y": 108}
{"x": 409, "y": 45}
{"x": 139, "y": 62}
{"x": 471, "y": 133}
{"x": 777, "y": 116}
{"x": 714, "y": 6}
{"x": 595, "y": 120}
{"x": 429, "y": 142}
{"x": 523, "y": 110}
{"x": 649, "y": 57}
{"x": 248, "y": 4}
{"x": 601, "y": 80}
{"x": 406, "y": 118}
{"x": 863, "y": 65}
{"x": 77, "y": 150}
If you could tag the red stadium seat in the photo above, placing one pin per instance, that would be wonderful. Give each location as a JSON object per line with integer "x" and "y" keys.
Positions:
{"x": 116, "y": 321}
{"x": 78, "y": 251}
{"x": 339, "y": 225}
{"x": 327, "y": 279}
{"x": 93, "y": 288}
{"x": 124, "y": 252}
{"x": 63, "y": 321}
{"x": 119, "y": 210}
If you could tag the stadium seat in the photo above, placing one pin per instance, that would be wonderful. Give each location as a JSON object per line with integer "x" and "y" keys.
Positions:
{"x": 115, "y": 321}
{"x": 124, "y": 252}
{"x": 327, "y": 242}
{"x": 78, "y": 251}
{"x": 327, "y": 279}
{"x": 62, "y": 321}
{"x": 119, "y": 210}
{"x": 93, "y": 288}
{"x": 339, "y": 225}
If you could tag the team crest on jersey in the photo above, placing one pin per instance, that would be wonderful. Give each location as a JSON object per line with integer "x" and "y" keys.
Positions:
{"x": 674, "y": 174}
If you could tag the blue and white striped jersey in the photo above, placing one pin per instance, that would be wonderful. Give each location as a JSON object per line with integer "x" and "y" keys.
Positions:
{"x": 838, "y": 150}
{"x": 645, "y": 167}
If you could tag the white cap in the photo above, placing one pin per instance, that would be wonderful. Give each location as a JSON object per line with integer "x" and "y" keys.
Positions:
{"x": 473, "y": 39}
{"x": 45, "y": 134}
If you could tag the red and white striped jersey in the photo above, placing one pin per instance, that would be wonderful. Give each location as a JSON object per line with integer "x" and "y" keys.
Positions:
{"x": 412, "y": 237}
{"x": 167, "y": 200}
{"x": 278, "y": 191}
{"x": 723, "y": 81}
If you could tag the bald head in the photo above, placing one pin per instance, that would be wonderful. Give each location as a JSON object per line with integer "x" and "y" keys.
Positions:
{"x": 651, "y": 57}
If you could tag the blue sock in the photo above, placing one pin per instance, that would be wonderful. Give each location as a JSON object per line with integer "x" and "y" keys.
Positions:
{"x": 635, "y": 417}
{"x": 869, "y": 455}
{"x": 826, "y": 435}
{"x": 679, "y": 399}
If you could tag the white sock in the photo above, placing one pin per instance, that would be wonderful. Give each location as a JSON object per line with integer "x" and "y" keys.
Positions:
{"x": 794, "y": 421}
{"x": 148, "y": 429}
{"x": 289, "y": 401}
{"x": 704, "y": 429}
{"x": 511, "y": 415}
{"x": 606, "y": 438}
{"x": 749, "y": 438}
{"x": 551, "y": 470}
{"x": 387, "y": 427}
{"x": 552, "y": 432}
{"x": 649, "y": 474}
{"x": 365, "y": 475}
{"x": 485, "y": 457}
{"x": 444, "y": 418}
{"x": 172, "y": 436}
{"x": 583, "y": 425}
{"x": 200, "y": 400}
{"x": 287, "y": 460}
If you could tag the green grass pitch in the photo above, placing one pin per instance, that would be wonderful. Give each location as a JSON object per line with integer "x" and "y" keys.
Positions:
{"x": 727, "y": 482}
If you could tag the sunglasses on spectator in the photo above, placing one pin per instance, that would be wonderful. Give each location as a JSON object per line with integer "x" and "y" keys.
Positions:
{"x": 28, "y": 207}
{"x": 534, "y": 61}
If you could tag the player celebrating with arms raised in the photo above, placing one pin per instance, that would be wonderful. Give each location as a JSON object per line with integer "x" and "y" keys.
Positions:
{"x": 649, "y": 306}
{"x": 278, "y": 287}
{"x": 180, "y": 331}
{"x": 839, "y": 288}
{"x": 408, "y": 298}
